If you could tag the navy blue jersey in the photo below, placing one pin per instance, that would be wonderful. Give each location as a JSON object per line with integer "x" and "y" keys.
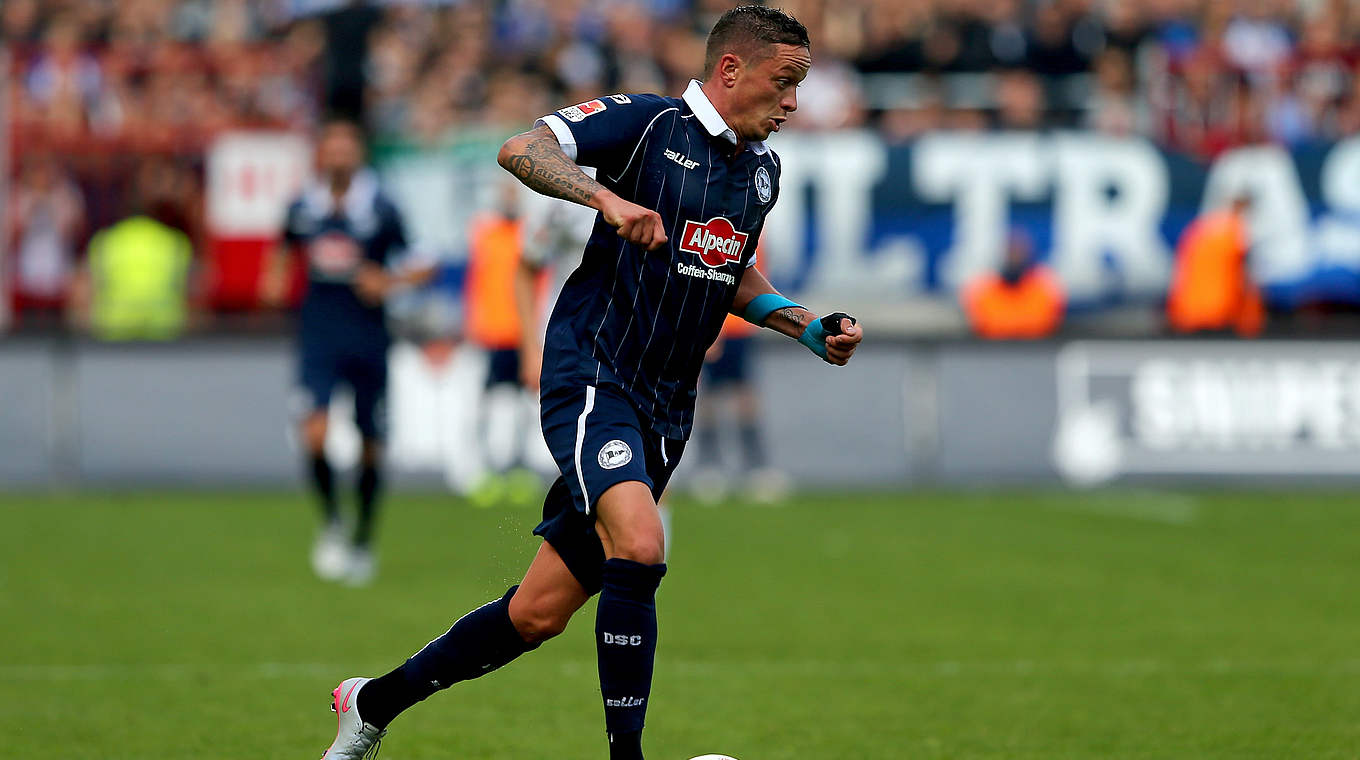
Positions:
{"x": 336, "y": 238}
{"x": 642, "y": 320}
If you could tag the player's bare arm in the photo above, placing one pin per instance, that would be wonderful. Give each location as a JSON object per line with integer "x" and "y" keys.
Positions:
{"x": 797, "y": 322}
{"x": 537, "y": 159}
{"x": 274, "y": 281}
{"x": 374, "y": 283}
{"x": 526, "y": 306}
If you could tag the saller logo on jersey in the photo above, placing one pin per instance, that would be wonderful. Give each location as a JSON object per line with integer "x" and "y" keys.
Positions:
{"x": 716, "y": 242}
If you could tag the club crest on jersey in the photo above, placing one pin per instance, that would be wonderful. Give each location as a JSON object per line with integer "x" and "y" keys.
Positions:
{"x": 580, "y": 111}
{"x": 615, "y": 454}
{"x": 333, "y": 254}
{"x": 763, "y": 186}
{"x": 716, "y": 242}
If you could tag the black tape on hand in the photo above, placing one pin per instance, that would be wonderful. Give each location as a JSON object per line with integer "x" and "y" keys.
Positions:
{"x": 831, "y": 323}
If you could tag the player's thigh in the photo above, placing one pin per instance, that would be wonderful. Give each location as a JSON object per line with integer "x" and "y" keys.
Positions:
{"x": 629, "y": 524}
{"x": 367, "y": 376}
{"x": 547, "y": 597}
{"x": 502, "y": 367}
{"x": 319, "y": 369}
{"x": 596, "y": 440}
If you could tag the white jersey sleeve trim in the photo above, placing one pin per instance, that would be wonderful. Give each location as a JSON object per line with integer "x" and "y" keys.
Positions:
{"x": 562, "y": 132}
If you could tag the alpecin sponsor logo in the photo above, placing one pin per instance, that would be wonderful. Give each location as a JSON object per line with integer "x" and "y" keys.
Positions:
{"x": 716, "y": 242}
{"x": 625, "y": 702}
{"x": 703, "y": 273}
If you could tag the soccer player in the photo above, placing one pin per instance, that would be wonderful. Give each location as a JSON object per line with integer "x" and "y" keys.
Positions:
{"x": 352, "y": 237}
{"x": 683, "y": 188}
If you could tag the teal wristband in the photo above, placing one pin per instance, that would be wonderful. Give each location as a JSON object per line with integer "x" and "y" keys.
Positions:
{"x": 763, "y": 306}
{"x": 814, "y": 337}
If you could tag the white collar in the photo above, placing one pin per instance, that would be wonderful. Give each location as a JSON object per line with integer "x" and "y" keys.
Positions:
{"x": 712, "y": 120}
{"x": 358, "y": 200}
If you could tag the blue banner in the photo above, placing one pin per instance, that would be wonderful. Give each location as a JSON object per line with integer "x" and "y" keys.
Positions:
{"x": 896, "y": 222}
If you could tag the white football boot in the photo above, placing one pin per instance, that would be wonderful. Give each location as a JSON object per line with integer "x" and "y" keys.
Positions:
{"x": 360, "y": 567}
{"x": 354, "y": 739}
{"x": 330, "y": 553}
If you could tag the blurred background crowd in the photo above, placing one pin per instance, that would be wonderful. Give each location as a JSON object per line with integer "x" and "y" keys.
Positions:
{"x": 1197, "y": 75}
{"x": 112, "y": 101}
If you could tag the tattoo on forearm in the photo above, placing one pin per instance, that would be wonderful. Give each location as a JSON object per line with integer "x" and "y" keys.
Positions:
{"x": 543, "y": 167}
{"x": 792, "y": 315}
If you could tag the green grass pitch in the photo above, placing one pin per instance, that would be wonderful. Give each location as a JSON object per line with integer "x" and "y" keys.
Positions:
{"x": 997, "y": 624}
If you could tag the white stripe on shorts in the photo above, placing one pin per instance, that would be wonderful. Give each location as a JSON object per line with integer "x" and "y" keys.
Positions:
{"x": 581, "y": 440}
{"x": 664, "y": 459}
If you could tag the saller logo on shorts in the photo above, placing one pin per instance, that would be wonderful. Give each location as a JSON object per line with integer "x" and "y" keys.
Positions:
{"x": 615, "y": 454}
{"x": 716, "y": 242}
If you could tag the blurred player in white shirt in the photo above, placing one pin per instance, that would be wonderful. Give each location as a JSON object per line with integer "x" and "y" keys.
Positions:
{"x": 553, "y": 235}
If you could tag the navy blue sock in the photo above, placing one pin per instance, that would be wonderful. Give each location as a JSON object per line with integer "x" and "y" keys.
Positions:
{"x": 480, "y": 642}
{"x": 370, "y": 480}
{"x": 625, "y": 641}
{"x": 323, "y": 482}
{"x": 752, "y": 445}
{"x": 709, "y": 455}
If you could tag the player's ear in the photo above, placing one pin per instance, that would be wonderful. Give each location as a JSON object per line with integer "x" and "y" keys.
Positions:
{"x": 729, "y": 68}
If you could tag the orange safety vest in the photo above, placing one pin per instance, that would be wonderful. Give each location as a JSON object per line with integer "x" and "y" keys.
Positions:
{"x": 494, "y": 251}
{"x": 1210, "y": 286}
{"x": 1031, "y": 308}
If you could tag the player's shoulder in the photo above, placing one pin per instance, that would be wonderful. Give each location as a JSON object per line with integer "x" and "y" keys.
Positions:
{"x": 773, "y": 158}
{"x": 768, "y": 162}
{"x": 296, "y": 217}
{"x": 638, "y": 105}
{"x": 296, "y": 205}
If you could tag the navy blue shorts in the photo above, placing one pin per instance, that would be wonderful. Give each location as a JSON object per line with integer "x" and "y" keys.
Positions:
{"x": 502, "y": 367}
{"x": 321, "y": 368}
{"x": 733, "y": 365}
{"x": 598, "y": 440}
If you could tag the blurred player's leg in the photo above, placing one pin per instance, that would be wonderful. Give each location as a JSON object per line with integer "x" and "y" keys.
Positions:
{"x": 318, "y": 376}
{"x": 765, "y": 484}
{"x": 369, "y": 380}
{"x": 322, "y": 476}
{"x": 362, "y": 565}
{"x": 630, "y": 529}
{"x": 667, "y": 528}
{"x": 503, "y": 428}
{"x": 709, "y": 482}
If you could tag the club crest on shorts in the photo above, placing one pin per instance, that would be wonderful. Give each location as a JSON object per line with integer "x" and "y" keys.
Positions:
{"x": 615, "y": 454}
{"x": 763, "y": 185}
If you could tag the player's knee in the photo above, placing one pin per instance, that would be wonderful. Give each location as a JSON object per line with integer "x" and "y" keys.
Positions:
{"x": 314, "y": 432}
{"x": 644, "y": 548}
{"x": 538, "y": 619}
{"x": 371, "y": 453}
